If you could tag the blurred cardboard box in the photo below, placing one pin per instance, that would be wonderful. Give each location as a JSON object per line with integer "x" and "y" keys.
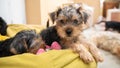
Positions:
{"x": 113, "y": 15}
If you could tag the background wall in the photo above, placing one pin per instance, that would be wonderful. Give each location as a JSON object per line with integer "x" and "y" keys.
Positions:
{"x": 13, "y": 11}
{"x": 48, "y": 6}
{"x": 33, "y": 11}
{"x": 95, "y": 4}
{"x": 36, "y": 11}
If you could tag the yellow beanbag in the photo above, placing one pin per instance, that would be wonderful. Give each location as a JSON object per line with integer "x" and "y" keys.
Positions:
{"x": 15, "y": 28}
{"x": 50, "y": 59}
{"x": 3, "y": 37}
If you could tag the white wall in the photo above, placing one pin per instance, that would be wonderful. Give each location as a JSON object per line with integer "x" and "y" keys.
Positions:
{"x": 48, "y": 6}
{"x": 13, "y": 11}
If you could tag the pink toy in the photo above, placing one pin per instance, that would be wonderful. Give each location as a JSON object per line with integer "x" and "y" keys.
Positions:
{"x": 54, "y": 46}
{"x": 40, "y": 51}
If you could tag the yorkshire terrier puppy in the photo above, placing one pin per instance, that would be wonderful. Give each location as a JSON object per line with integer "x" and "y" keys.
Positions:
{"x": 70, "y": 20}
{"x": 23, "y": 42}
{"x": 3, "y": 27}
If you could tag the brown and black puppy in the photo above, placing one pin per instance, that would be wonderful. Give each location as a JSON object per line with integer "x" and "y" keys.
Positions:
{"x": 23, "y": 42}
{"x": 111, "y": 25}
{"x": 70, "y": 20}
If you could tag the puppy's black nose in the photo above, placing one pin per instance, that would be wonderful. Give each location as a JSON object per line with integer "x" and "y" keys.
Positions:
{"x": 68, "y": 31}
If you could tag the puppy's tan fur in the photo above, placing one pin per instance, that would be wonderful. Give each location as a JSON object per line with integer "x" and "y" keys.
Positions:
{"x": 105, "y": 40}
{"x": 69, "y": 25}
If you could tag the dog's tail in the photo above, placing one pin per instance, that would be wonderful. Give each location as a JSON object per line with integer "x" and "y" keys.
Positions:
{"x": 101, "y": 22}
{"x": 3, "y": 27}
{"x": 47, "y": 23}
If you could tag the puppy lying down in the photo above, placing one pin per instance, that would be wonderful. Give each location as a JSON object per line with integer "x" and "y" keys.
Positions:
{"x": 106, "y": 40}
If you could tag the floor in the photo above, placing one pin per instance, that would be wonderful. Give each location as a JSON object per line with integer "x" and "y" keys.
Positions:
{"x": 110, "y": 61}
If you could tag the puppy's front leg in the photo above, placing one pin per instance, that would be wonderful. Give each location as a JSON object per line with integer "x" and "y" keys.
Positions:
{"x": 93, "y": 50}
{"x": 83, "y": 52}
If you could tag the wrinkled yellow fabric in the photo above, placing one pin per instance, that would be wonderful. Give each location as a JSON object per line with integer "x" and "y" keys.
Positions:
{"x": 50, "y": 59}
{"x": 15, "y": 28}
{"x": 3, "y": 37}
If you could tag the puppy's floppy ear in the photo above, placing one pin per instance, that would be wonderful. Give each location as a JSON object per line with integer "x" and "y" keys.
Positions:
{"x": 54, "y": 15}
{"x": 81, "y": 10}
{"x": 84, "y": 14}
{"x": 85, "y": 17}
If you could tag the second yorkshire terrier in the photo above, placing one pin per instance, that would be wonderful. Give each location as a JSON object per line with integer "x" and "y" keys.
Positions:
{"x": 23, "y": 42}
{"x": 67, "y": 32}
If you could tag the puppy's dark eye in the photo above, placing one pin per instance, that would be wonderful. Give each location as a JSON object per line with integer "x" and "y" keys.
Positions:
{"x": 75, "y": 21}
{"x": 61, "y": 21}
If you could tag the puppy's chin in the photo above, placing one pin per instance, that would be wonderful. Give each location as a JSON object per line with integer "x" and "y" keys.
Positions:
{"x": 67, "y": 37}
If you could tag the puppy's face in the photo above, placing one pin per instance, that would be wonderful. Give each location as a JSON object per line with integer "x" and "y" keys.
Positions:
{"x": 69, "y": 21}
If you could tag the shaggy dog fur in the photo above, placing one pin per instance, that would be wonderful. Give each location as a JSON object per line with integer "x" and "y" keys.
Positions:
{"x": 106, "y": 40}
{"x": 67, "y": 32}
{"x": 3, "y": 27}
{"x": 22, "y": 42}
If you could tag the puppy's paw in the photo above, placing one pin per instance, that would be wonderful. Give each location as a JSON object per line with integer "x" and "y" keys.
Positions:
{"x": 98, "y": 58}
{"x": 86, "y": 57}
{"x": 84, "y": 53}
{"x": 96, "y": 54}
